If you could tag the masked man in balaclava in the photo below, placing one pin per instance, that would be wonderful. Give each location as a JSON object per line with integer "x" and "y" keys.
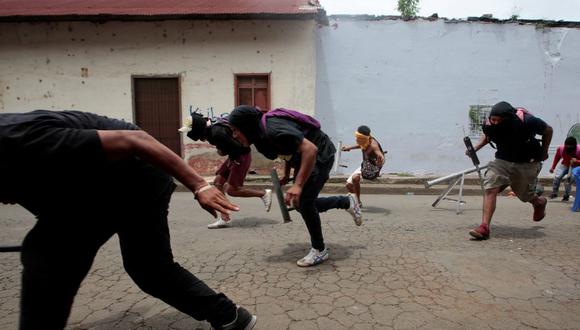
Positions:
{"x": 517, "y": 163}
{"x": 298, "y": 139}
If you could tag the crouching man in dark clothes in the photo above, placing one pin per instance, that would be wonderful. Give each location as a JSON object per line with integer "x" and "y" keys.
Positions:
{"x": 517, "y": 163}
{"x": 232, "y": 173}
{"x": 298, "y": 139}
{"x": 87, "y": 177}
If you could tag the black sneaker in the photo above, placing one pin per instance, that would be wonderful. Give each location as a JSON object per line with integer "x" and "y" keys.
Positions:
{"x": 565, "y": 198}
{"x": 552, "y": 195}
{"x": 243, "y": 321}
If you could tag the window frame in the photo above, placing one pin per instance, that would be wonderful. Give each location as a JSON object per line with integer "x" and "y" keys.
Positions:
{"x": 237, "y": 77}
{"x": 477, "y": 115}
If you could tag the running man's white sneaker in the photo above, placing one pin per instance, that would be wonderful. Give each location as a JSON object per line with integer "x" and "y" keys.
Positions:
{"x": 314, "y": 257}
{"x": 219, "y": 223}
{"x": 354, "y": 210}
{"x": 267, "y": 199}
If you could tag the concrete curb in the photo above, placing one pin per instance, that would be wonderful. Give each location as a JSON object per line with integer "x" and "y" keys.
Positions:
{"x": 387, "y": 185}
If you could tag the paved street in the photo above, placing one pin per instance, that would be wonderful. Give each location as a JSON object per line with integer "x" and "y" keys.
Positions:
{"x": 409, "y": 266}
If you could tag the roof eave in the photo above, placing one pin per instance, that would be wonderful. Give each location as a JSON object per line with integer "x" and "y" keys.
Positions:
{"x": 159, "y": 17}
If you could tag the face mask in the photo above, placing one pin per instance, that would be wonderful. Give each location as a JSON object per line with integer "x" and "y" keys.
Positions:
{"x": 502, "y": 130}
{"x": 362, "y": 140}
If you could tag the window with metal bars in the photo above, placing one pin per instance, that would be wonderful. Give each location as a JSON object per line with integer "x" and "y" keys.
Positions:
{"x": 477, "y": 115}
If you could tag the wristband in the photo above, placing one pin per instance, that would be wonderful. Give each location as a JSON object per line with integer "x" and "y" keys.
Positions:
{"x": 202, "y": 189}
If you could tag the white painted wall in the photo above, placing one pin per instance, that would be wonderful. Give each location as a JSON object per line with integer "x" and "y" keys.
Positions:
{"x": 41, "y": 63}
{"x": 413, "y": 82}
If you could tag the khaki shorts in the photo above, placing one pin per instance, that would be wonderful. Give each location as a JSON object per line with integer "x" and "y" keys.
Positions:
{"x": 355, "y": 173}
{"x": 522, "y": 177}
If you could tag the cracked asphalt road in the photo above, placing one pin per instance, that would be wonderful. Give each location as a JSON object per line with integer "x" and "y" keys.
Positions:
{"x": 409, "y": 266}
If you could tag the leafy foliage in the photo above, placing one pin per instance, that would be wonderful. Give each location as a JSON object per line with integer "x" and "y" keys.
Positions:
{"x": 408, "y": 8}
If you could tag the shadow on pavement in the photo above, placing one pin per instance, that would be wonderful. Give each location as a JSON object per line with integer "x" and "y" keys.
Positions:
{"x": 295, "y": 251}
{"x": 517, "y": 232}
{"x": 375, "y": 209}
{"x": 170, "y": 319}
{"x": 253, "y": 222}
{"x": 452, "y": 209}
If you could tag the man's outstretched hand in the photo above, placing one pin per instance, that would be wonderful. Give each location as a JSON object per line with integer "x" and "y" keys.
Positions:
{"x": 213, "y": 200}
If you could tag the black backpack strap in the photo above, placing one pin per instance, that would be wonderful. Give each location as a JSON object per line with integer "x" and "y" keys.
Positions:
{"x": 380, "y": 146}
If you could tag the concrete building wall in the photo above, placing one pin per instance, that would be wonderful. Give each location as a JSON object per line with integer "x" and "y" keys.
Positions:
{"x": 413, "y": 83}
{"x": 88, "y": 66}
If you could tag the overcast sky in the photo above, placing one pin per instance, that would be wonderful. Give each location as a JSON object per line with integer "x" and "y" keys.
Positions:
{"x": 567, "y": 10}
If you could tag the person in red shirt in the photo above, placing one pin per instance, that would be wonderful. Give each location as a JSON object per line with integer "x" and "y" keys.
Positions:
{"x": 230, "y": 179}
{"x": 569, "y": 153}
{"x": 231, "y": 175}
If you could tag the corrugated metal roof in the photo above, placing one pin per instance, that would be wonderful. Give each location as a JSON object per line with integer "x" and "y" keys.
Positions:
{"x": 37, "y": 8}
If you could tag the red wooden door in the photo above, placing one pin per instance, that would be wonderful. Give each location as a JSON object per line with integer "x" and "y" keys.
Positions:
{"x": 157, "y": 109}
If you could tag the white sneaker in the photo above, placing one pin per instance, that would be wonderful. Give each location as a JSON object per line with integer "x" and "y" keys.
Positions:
{"x": 314, "y": 257}
{"x": 267, "y": 199}
{"x": 354, "y": 210}
{"x": 220, "y": 223}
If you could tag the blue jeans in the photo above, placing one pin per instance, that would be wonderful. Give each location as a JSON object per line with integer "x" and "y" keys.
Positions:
{"x": 561, "y": 172}
{"x": 311, "y": 205}
{"x": 576, "y": 174}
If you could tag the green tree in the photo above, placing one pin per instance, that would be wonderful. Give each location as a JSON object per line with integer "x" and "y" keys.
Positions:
{"x": 408, "y": 8}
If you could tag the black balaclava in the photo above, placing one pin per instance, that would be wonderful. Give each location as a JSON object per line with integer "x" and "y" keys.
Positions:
{"x": 218, "y": 134}
{"x": 247, "y": 120}
{"x": 510, "y": 123}
{"x": 570, "y": 146}
{"x": 502, "y": 109}
{"x": 198, "y": 127}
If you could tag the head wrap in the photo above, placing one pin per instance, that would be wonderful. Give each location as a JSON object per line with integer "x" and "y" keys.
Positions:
{"x": 247, "y": 120}
{"x": 363, "y": 137}
{"x": 196, "y": 126}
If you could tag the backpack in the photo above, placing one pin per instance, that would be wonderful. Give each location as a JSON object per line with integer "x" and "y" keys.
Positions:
{"x": 531, "y": 145}
{"x": 520, "y": 114}
{"x": 304, "y": 120}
